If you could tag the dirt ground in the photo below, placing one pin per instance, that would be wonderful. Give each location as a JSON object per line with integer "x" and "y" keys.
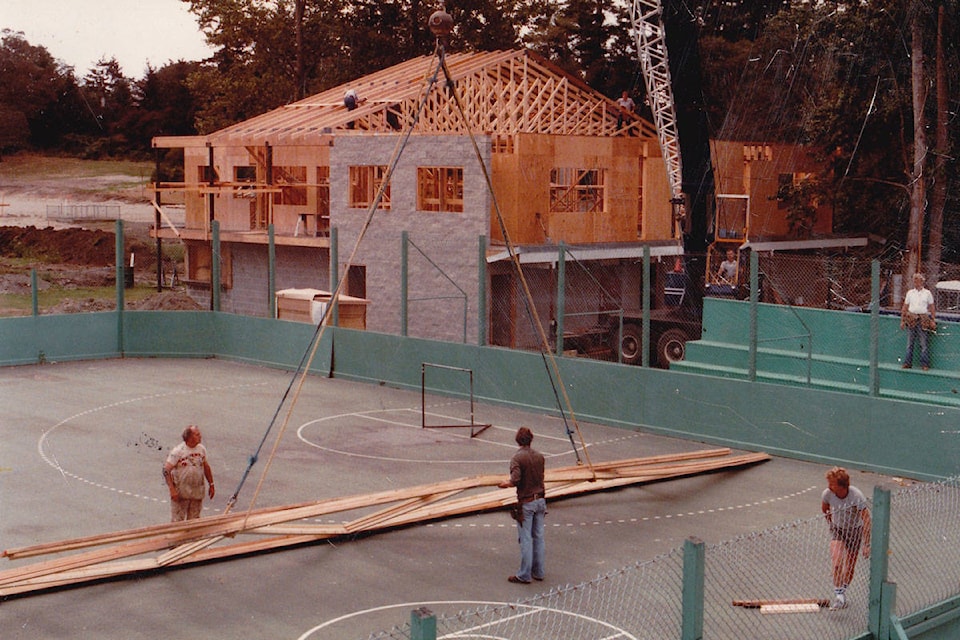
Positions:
{"x": 77, "y": 253}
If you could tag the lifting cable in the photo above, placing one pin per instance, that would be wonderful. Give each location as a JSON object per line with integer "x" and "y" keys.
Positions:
{"x": 546, "y": 354}
{"x": 304, "y": 366}
{"x": 298, "y": 379}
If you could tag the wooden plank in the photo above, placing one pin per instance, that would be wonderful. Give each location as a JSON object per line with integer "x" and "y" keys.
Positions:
{"x": 204, "y": 539}
{"x": 756, "y": 604}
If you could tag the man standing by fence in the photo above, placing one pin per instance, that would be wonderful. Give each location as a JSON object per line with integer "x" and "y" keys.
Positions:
{"x": 918, "y": 316}
{"x": 526, "y": 474}
{"x": 849, "y": 518}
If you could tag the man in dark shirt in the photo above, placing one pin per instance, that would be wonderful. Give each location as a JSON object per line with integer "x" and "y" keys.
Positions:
{"x": 526, "y": 474}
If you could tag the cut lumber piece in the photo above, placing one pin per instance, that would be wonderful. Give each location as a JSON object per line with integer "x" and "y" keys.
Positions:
{"x": 789, "y": 608}
{"x": 756, "y": 604}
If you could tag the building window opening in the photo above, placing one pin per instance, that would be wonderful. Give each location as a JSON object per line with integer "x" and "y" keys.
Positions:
{"x": 577, "y": 190}
{"x": 440, "y": 189}
{"x": 365, "y": 181}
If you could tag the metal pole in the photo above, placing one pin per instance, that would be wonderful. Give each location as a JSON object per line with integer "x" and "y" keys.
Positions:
{"x": 482, "y": 293}
{"x": 156, "y": 225}
{"x": 645, "y": 347}
{"x": 754, "y": 304}
{"x": 271, "y": 272}
{"x": 875, "y": 328}
{"x": 404, "y": 263}
{"x": 693, "y": 589}
{"x": 879, "y": 560}
{"x": 561, "y": 296}
{"x": 121, "y": 282}
{"x": 215, "y": 266}
{"x": 334, "y": 274}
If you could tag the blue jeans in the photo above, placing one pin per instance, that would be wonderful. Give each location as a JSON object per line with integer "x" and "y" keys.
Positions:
{"x": 532, "y": 546}
{"x": 917, "y": 334}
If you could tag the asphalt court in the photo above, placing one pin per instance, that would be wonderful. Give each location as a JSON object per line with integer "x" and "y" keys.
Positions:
{"x": 83, "y": 443}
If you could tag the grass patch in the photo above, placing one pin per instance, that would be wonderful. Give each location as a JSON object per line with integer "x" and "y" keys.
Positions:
{"x": 25, "y": 165}
{"x": 21, "y": 304}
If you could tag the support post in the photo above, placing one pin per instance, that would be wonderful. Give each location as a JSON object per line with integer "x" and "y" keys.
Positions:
{"x": 120, "y": 283}
{"x": 404, "y": 264}
{"x": 693, "y": 589}
{"x": 271, "y": 272}
{"x": 423, "y": 624}
{"x": 156, "y": 223}
{"x": 879, "y": 561}
{"x": 645, "y": 347}
{"x": 34, "y": 293}
{"x": 334, "y": 275}
{"x": 215, "y": 266}
{"x": 754, "y": 307}
{"x": 482, "y": 292}
{"x": 875, "y": 328}
{"x": 561, "y": 296}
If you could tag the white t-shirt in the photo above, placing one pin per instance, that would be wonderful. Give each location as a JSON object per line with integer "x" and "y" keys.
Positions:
{"x": 845, "y": 513}
{"x": 187, "y": 470}
{"x": 918, "y": 301}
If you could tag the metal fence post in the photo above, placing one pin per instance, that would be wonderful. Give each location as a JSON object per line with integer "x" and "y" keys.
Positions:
{"x": 423, "y": 624}
{"x": 879, "y": 561}
{"x": 271, "y": 272}
{"x": 561, "y": 296}
{"x": 875, "y": 328}
{"x": 645, "y": 329}
{"x": 693, "y": 589}
{"x": 404, "y": 265}
{"x": 215, "y": 267}
{"x": 334, "y": 275}
{"x": 34, "y": 292}
{"x": 121, "y": 282}
{"x": 754, "y": 308}
{"x": 482, "y": 292}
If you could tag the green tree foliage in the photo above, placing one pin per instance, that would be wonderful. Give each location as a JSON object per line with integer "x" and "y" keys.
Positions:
{"x": 836, "y": 77}
{"x": 39, "y": 89}
{"x": 254, "y": 67}
{"x": 590, "y": 39}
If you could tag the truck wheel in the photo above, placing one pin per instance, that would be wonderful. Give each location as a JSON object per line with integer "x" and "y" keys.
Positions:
{"x": 671, "y": 347}
{"x": 631, "y": 344}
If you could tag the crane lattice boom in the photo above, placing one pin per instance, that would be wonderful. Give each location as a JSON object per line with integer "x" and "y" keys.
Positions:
{"x": 652, "y": 49}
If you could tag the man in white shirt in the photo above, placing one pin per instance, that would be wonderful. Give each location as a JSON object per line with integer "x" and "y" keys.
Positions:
{"x": 918, "y": 316}
{"x": 184, "y": 471}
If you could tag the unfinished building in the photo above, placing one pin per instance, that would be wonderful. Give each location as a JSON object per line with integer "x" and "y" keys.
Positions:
{"x": 509, "y": 145}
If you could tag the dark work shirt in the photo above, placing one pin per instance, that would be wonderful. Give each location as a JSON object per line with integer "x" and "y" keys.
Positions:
{"x": 526, "y": 472}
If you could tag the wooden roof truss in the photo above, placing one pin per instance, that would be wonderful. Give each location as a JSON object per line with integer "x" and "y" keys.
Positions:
{"x": 500, "y": 92}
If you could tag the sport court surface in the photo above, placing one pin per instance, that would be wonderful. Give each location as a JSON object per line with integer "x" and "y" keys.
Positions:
{"x": 83, "y": 444}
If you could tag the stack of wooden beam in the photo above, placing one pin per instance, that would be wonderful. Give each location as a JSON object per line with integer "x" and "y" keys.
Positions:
{"x": 175, "y": 544}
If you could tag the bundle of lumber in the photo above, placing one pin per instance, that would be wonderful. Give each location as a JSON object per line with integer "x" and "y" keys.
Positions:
{"x": 178, "y": 543}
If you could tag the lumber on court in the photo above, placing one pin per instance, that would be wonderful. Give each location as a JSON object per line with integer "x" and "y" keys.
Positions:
{"x": 109, "y": 555}
{"x": 757, "y": 604}
{"x": 790, "y": 608}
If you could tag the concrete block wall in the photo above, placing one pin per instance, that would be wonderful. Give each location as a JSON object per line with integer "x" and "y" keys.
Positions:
{"x": 448, "y": 241}
{"x": 297, "y": 268}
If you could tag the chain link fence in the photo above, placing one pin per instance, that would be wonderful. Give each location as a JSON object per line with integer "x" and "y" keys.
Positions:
{"x": 788, "y": 562}
{"x": 594, "y": 307}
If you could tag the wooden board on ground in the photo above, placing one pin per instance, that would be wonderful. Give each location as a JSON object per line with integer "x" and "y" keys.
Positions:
{"x": 178, "y": 543}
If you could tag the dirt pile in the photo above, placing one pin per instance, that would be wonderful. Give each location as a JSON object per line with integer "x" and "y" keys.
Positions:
{"x": 87, "y": 247}
{"x": 74, "y": 258}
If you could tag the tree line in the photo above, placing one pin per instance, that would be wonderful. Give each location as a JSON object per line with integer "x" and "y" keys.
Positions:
{"x": 870, "y": 87}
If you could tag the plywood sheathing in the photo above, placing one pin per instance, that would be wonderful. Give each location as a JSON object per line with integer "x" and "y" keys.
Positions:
{"x": 109, "y": 555}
